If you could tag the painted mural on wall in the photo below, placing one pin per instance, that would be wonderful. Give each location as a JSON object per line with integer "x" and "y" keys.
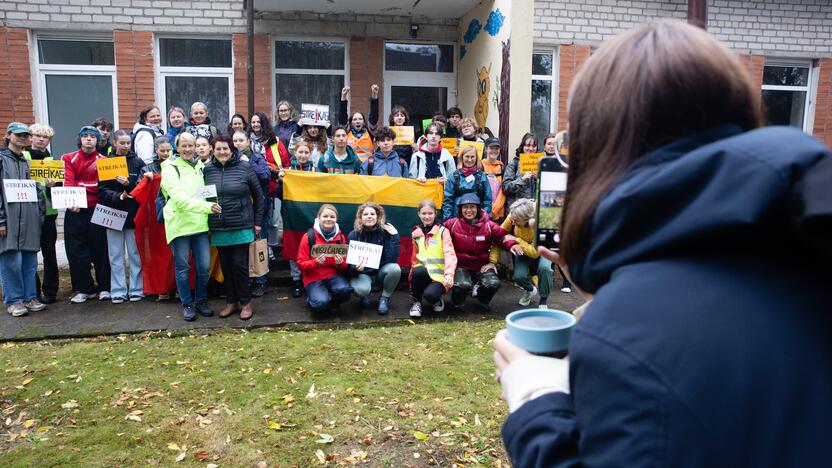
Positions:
{"x": 483, "y": 89}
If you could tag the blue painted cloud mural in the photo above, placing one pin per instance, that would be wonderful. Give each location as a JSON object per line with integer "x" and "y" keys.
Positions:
{"x": 494, "y": 23}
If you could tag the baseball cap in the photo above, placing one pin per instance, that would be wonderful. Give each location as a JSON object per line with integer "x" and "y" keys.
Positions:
{"x": 492, "y": 142}
{"x": 17, "y": 128}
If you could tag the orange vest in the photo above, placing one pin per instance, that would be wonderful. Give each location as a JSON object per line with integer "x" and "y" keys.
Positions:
{"x": 363, "y": 146}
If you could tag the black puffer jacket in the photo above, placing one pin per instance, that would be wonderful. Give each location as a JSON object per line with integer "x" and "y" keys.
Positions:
{"x": 109, "y": 191}
{"x": 238, "y": 188}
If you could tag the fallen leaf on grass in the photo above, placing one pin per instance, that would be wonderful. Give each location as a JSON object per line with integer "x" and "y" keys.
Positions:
{"x": 275, "y": 425}
{"x": 26, "y": 381}
{"x": 311, "y": 393}
{"x": 325, "y": 439}
{"x": 211, "y": 465}
{"x": 288, "y": 398}
{"x": 43, "y": 429}
{"x": 70, "y": 404}
{"x": 28, "y": 423}
{"x": 173, "y": 446}
{"x": 202, "y": 455}
{"x": 181, "y": 456}
{"x": 321, "y": 456}
{"x": 420, "y": 435}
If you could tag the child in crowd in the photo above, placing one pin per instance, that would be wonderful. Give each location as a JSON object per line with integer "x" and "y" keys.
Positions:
{"x": 385, "y": 160}
{"x": 301, "y": 162}
{"x": 287, "y": 126}
{"x": 200, "y": 123}
{"x": 399, "y": 117}
{"x": 360, "y": 130}
{"x": 237, "y": 124}
{"x": 371, "y": 226}
{"x": 341, "y": 158}
{"x": 454, "y": 115}
{"x": 105, "y": 127}
{"x": 468, "y": 130}
{"x": 314, "y": 134}
{"x": 469, "y": 178}
{"x": 431, "y": 161}
{"x": 203, "y": 149}
{"x": 433, "y": 261}
{"x": 176, "y": 124}
{"x": 494, "y": 167}
{"x": 323, "y": 275}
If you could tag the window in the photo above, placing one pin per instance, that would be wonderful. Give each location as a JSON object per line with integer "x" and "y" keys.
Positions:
{"x": 419, "y": 57}
{"x": 786, "y": 93}
{"x": 420, "y": 77}
{"x": 311, "y": 72}
{"x": 77, "y": 78}
{"x": 196, "y": 69}
{"x": 544, "y": 93}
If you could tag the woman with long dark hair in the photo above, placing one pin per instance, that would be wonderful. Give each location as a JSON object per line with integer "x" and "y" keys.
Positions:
{"x": 518, "y": 184}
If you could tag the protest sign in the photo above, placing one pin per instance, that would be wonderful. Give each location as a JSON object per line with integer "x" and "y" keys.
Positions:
{"x": 528, "y": 161}
{"x": 314, "y": 114}
{"x": 108, "y": 217}
{"x": 478, "y": 145}
{"x": 41, "y": 170}
{"x": 110, "y": 168}
{"x": 366, "y": 253}
{"x": 207, "y": 191}
{"x": 68, "y": 197}
{"x": 20, "y": 190}
{"x": 329, "y": 250}
{"x": 404, "y": 135}
{"x": 450, "y": 145}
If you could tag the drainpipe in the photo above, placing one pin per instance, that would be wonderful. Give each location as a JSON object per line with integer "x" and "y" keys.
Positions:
{"x": 249, "y": 5}
{"x": 698, "y": 13}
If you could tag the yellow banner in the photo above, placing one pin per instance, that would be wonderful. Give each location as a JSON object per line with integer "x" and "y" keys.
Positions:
{"x": 478, "y": 145}
{"x": 41, "y": 170}
{"x": 450, "y": 145}
{"x": 357, "y": 189}
{"x": 110, "y": 168}
{"x": 528, "y": 161}
{"x": 404, "y": 135}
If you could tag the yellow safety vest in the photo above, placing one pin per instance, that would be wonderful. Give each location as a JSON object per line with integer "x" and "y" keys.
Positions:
{"x": 363, "y": 146}
{"x": 432, "y": 256}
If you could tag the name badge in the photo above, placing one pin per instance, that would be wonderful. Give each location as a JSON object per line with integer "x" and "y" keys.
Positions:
{"x": 480, "y": 238}
{"x": 470, "y": 178}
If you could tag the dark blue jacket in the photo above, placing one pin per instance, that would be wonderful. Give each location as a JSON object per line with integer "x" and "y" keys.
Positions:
{"x": 390, "y": 247}
{"x": 709, "y": 339}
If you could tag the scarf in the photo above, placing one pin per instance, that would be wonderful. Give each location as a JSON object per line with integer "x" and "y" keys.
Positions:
{"x": 466, "y": 171}
{"x": 328, "y": 236}
{"x": 358, "y": 133}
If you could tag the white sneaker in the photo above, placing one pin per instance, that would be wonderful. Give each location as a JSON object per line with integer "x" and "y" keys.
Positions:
{"x": 527, "y": 296}
{"x": 416, "y": 309}
{"x": 103, "y": 295}
{"x": 17, "y": 310}
{"x": 136, "y": 298}
{"x": 474, "y": 290}
{"x": 117, "y": 300}
{"x": 79, "y": 298}
{"x": 543, "y": 306}
{"x": 439, "y": 306}
{"x": 566, "y": 289}
{"x": 34, "y": 305}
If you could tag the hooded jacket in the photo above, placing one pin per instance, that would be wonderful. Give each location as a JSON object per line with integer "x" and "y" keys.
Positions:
{"x": 285, "y": 130}
{"x": 473, "y": 241}
{"x": 692, "y": 353}
{"x": 143, "y": 136}
{"x": 185, "y": 213}
{"x": 109, "y": 191}
{"x": 313, "y": 272}
{"x": 350, "y": 165}
{"x": 391, "y": 165}
{"x": 418, "y": 162}
{"x": 238, "y": 188}
{"x": 23, "y": 221}
{"x": 80, "y": 170}
{"x": 378, "y": 236}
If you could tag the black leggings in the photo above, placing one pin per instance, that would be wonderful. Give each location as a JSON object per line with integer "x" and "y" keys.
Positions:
{"x": 234, "y": 262}
{"x": 424, "y": 287}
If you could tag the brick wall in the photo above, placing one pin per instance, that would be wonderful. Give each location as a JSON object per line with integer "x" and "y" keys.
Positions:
{"x": 366, "y": 55}
{"x": 15, "y": 77}
{"x": 570, "y": 58}
{"x": 262, "y": 74}
{"x": 134, "y": 74}
{"x": 823, "y": 104}
{"x": 754, "y": 64}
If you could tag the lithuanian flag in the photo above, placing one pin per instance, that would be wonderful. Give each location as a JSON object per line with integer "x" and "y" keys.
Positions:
{"x": 305, "y": 192}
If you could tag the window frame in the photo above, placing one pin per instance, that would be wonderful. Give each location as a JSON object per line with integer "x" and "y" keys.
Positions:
{"x": 808, "y": 105}
{"x": 417, "y": 78}
{"x": 554, "y": 80}
{"x": 307, "y": 71}
{"x": 178, "y": 72}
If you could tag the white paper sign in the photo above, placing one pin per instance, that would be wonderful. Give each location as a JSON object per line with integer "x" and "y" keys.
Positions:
{"x": 314, "y": 114}
{"x": 68, "y": 197}
{"x": 20, "y": 190}
{"x": 108, "y": 217}
{"x": 363, "y": 252}
{"x": 207, "y": 191}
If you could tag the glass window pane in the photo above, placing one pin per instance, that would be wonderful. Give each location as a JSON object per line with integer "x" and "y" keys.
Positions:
{"x": 57, "y": 52}
{"x": 419, "y": 57}
{"x": 182, "y": 52}
{"x": 71, "y": 105}
{"x": 784, "y": 107}
{"x": 310, "y": 89}
{"x": 421, "y": 102}
{"x": 541, "y": 107}
{"x": 182, "y": 91}
{"x": 309, "y": 55}
{"x": 542, "y": 64}
{"x": 786, "y": 76}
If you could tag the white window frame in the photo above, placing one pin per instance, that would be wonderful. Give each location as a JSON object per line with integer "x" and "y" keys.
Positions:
{"x": 44, "y": 69}
{"x": 553, "y": 78}
{"x": 417, "y": 78}
{"x": 808, "y": 106}
{"x": 308, "y": 71}
{"x": 207, "y": 72}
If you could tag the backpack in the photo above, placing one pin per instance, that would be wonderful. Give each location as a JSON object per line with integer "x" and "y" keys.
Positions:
{"x": 371, "y": 161}
{"x": 310, "y": 237}
{"x": 133, "y": 138}
{"x": 161, "y": 200}
{"x": 477, "y": 186}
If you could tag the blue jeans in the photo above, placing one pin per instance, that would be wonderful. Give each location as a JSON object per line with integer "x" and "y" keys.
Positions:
{"x": 182, "y": 248}
{"x": 321, "y": 294}
{"x": 116, "y": 242}
{"x": 389, "y": 276}
{"x": 17, "y": 273}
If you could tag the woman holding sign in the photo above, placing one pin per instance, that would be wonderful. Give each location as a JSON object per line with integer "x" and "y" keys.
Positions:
{"x": 238, "y": 222}
{"x": 371, "y": 227}
{"x": 516, "y": 183}
{"x": 361, "y": 131}
{"x": 186, "y": 225}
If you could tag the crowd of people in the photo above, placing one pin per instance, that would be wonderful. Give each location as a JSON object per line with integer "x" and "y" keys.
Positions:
{"x": 196, "y": 235}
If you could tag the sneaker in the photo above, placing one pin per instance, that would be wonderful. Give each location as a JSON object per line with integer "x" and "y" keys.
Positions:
{"x": 566, "y": 289}
{"x": 188, "y": 313}
{"x": 439, "y": 306}
{"x": 258, "y": 290}
{"x": 415, "y": 309}
{"x": 527, "y": 297}
{"x": 204, "y": 309}
{"x": 17, "y": 310}
{"x": 80, "y": 298}
{"x": 136, "y": 298}
{"x": 162, "y": 297}
{"x": 542, "y": 306}
{"x": 103, "y": 295}
{"x": 383, "y": 305}
{"x": 297, "y": 289}
{"x": 34, "y": 305}
{"x": 366, "y": 301}
{"x": 117, "y": 300}
{"x": 474, "y": 290}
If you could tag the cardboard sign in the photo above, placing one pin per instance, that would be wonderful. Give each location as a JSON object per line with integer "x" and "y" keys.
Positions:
{"x": 449, "y": 144}
{"x": 404, "y": 135}
{"x": 110, "y": 168}
{"x": 68, "y": 197}
{"x": 207, "y": 191}
{"x": 478, "y": 145}
{"x": 20, "y": 190}
{"x": 42, "y": 170}
{"x": 314, "y": 114}
{"x": 366, "y": 253}
{"x": 528, "y": 161}
{"x": 108, "y": 217}
{"x": 329, "y": 250}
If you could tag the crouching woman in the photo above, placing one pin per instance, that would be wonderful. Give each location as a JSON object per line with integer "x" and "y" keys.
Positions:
{"x": 323, "y": 275}
{"x": 433, "y": 261}
{"x": 371, "y": 227}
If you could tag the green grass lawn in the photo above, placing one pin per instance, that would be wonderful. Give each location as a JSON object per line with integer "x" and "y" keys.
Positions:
{"x": 407, "y": 395}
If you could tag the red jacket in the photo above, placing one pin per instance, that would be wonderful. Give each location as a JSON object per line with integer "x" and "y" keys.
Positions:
{"x": 80, "y": 170}
{"x": 472, "y": 242}
{"x": 313, "y": 272}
